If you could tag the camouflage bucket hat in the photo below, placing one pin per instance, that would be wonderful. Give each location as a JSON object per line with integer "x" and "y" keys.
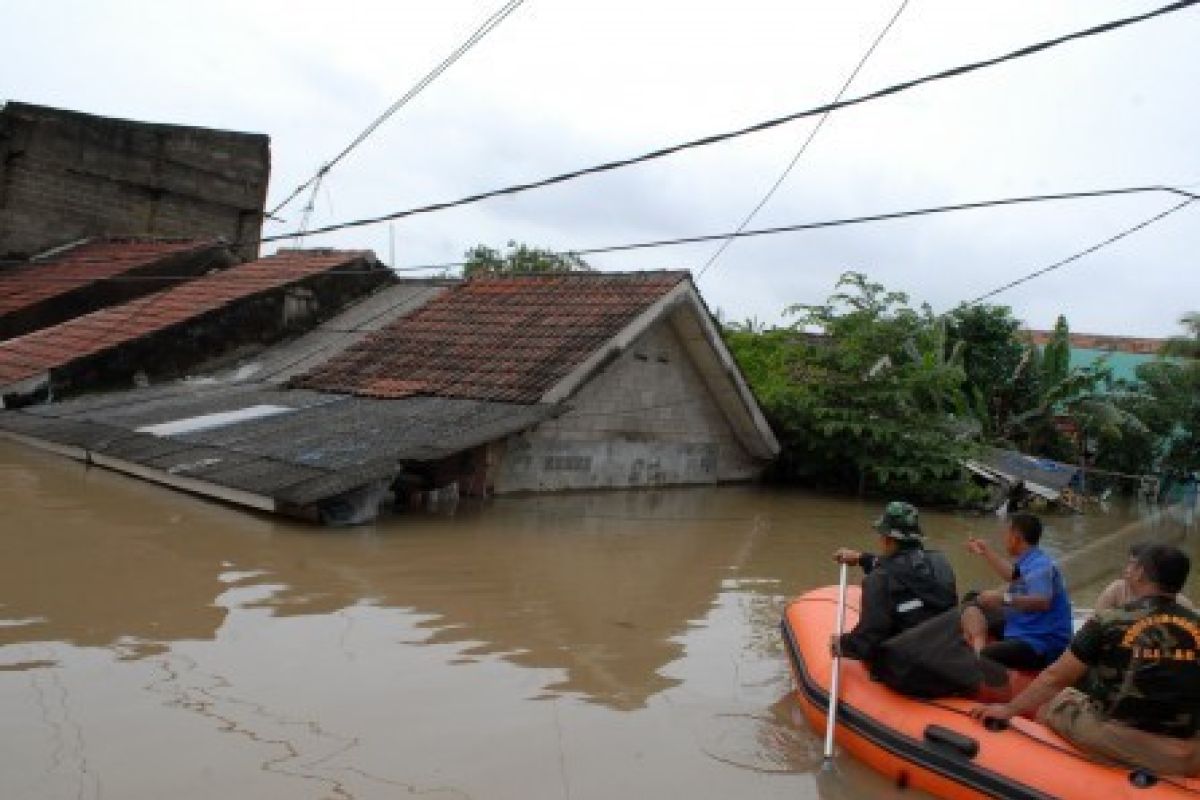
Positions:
{"x": 900, "y": 521}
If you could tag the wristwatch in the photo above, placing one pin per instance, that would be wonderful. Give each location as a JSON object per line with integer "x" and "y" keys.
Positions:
{"x": 1006, "y": 599}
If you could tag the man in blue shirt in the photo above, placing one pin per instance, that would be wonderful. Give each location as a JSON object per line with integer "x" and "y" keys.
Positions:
{"x": 1031, "y": 619}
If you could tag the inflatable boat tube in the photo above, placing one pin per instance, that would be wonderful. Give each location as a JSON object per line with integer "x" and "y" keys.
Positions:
{"x": 934, "y": 745}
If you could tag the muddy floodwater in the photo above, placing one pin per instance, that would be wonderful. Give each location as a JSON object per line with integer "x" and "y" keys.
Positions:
{"x": 615, "y": 645}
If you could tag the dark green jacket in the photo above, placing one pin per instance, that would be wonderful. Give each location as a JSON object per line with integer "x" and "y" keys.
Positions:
{"x": 899, "y": 592}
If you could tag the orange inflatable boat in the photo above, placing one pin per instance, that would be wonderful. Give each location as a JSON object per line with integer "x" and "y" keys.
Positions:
{"x": 934, "y": 745}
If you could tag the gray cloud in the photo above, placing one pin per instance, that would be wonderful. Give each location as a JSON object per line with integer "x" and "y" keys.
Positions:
{"x": 561, "y": 85}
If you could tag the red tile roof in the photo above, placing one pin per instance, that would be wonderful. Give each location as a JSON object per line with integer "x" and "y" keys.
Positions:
{"x": 84, "y": 265}
{"x": 32, "y": 354}
{"x": 502, "y": 338}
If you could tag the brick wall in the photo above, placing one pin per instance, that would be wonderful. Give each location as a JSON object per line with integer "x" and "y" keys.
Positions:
{"x": 66, "y": 176}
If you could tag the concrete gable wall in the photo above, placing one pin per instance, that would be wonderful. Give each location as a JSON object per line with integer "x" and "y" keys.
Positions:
{"x": 647, "y": 419}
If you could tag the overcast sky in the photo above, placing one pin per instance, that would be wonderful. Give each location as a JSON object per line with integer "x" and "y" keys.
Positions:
{"x": 566, "y": 83}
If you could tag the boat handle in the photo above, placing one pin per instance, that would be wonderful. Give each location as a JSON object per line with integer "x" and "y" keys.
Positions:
{"x": 960, "y": 743}
{"x": 1143, "y": 779}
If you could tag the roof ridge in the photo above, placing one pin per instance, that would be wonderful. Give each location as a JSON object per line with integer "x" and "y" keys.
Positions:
{"x": 316, "y": 251}
{"x": 581, "y": 274}
{"x": 68, "y": 248}
{"x": 139, "y": 238}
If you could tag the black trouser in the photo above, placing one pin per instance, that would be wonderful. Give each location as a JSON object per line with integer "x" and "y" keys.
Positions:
{"x": 1014, "y": 654}
{"x": 1011, "y": 653}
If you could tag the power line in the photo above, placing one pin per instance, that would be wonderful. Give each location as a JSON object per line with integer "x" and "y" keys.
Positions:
{"x": 1085, "y": 252}
{"x": 483, "y": 30}
{"x": 919, "y": 212}
{"x": 766, "y": 198}
{"x": 757, "y": 127}
{"x": 780, "y": 229}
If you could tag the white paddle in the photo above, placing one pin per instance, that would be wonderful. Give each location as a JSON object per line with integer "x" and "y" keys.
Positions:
{"x": 836, "y": 669}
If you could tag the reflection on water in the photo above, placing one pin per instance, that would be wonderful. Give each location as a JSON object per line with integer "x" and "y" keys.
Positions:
{"x": 590, "y": 645}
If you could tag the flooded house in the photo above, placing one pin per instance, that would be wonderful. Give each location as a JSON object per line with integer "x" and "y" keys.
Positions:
{"x": 432, "y": 390}
{"x": 167, "y": 332}
{"x": 91, "y": 274}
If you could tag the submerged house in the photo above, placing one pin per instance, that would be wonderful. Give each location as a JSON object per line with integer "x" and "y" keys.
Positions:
{"x": 648, "y": 391}
{"x": 438, "y": 389}
{"x": 167, "y": 332}
{"x": 1040, "y": 477}
{"x": 91, "y": 274}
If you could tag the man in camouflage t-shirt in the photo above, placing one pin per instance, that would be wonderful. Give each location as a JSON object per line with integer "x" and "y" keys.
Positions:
{"x": 1137, "y": 669}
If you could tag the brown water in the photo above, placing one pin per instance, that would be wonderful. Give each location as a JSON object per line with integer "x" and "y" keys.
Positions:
{"x": 585, "y": 646}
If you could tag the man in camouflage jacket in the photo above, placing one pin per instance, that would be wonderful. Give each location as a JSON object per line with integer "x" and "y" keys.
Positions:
{"x": 1128, "y": 688}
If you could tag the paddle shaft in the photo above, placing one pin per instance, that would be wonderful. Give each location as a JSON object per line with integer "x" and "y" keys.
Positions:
{"x": 836, "y": 669}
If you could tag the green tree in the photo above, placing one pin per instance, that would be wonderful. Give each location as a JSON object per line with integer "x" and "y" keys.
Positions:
{"x": 1171, "y": 386}
{"x": 865, "y": 392}
{"x": 1085, "y": 397}
{"x": 1168, "y": 400}
{"x": 520, "y": 258}
{"x": 1187, "y": 345}
{"x": 1056, "y": 356}
{"x": 994, "y": 360}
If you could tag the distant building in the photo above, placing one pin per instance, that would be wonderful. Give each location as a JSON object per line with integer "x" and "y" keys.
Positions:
{"x": 430, "y": 390}
{"x": 66, "y": 176}
{"x": 1123, "y": 354}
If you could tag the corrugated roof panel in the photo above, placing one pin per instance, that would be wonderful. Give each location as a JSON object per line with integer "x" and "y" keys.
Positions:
{"x": 329, "y": 445}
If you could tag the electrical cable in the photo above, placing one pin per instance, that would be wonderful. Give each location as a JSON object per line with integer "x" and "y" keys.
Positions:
{"x": 656, "y": 243}
{"x": 919, "y": 212}
{"x": 483, "y": 30}
{"x": 1085, "y": 252}
{"x": 775, "y": 122}
{"x": 766, "y": 198}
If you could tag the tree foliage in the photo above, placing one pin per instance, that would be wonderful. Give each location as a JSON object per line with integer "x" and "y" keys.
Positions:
{"x": 995, "y": 362}
{"x": 1166, "y": 399}
{"x": 520, "y": 258}
{"x": 866, "y": 392}
{"x": 870, "y": 393}
{"x": 1056, "y": 357}
{"x": 1186, "y": 345}
{"x": 1175, "y": 411}
{"x": 1047, "y": 391}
